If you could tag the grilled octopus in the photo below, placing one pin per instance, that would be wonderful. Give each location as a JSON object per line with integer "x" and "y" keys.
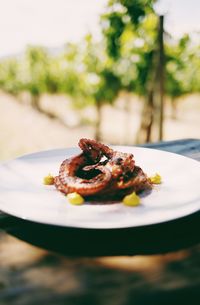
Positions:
{"x": 99, "y": 170}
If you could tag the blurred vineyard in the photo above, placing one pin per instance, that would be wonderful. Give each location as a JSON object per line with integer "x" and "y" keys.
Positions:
{"x": 135, "y": 60}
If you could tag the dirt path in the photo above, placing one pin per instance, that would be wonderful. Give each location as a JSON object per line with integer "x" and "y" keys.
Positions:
{"x": 23, "y": 130}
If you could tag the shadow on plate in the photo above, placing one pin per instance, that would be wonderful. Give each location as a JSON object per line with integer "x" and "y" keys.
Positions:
{"x": 159, "y": 238}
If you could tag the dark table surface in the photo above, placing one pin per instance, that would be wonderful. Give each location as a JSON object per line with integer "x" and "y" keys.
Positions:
{"x": 157, "y": 264}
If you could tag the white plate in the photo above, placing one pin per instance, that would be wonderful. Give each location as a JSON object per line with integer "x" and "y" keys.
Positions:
{"x": 23, "y": 194}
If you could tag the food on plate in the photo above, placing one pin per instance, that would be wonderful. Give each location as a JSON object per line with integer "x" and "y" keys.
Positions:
{"x": 156, "y": 179}
{"x": 131, "y": 200}
{"x": 75, "y": 198}
{"x": 101, "y": 172}
{"x": 48, "y": 180}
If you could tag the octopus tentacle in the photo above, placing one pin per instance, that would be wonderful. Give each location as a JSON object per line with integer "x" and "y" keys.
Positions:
{"x": 68, "y": 181}
{"x": 89, "y": 146}
{"x": 99, "y": 170}
{"x": 134, "y": 178}
{"x": 117, "y": 162}
{"x": 82, "y": 186}
{"x": 73, "y": 164}
{"x": 61, "y": 187}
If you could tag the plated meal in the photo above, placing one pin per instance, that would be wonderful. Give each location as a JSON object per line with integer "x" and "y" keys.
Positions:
{"x": 100, "y": 172}
{"x": 100, "y": 187}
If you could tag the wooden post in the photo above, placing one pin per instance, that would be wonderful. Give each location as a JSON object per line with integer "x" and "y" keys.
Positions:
{"x": 158, "y": 86}
{"x": 97, "y": 135}
{"x": 153, "y": 113}
{"x": 161, "y": 69}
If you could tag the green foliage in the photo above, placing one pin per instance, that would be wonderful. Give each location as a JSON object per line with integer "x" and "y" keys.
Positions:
{"x": 95, "y": 72}
{"x": 135, "y": 9}
{"x": 130, "y": 29}
{"x": 113, "y": 30}
{"x": 121, "y": 14}
{"x": 182, "y": 67}
{"x": 9, "y": 76}
{"x": 108, "y": 87}
{"x": 103, "y": 82}
{"x": 36, "y": 70}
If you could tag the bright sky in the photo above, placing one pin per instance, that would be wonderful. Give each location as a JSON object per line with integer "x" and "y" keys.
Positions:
{"x": 182, "y": 16}
{"x": 54, "y": 22}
